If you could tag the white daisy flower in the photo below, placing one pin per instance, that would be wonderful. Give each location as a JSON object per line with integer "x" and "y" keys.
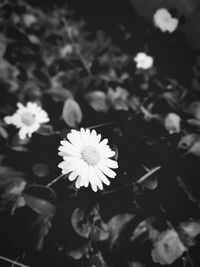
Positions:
{"x": 27, "y": 118}
{"x": 87, "y": 159}
{"x": 164, "y": 21}
{"x": 143, "y": 61}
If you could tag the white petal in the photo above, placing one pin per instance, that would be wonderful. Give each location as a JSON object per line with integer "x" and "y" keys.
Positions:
{"x": 75, "y": 139}
{"x": 83, "y": 173}
{"x": 22, "y": 133}
{"x": 107, "y": 153}
{"x": 84, "y": 137}
{"x": 110, "y": 173}
{"x": 98, "y": 139}
{"x": 19, "y": 105}
{"x": 73, "y": 175}
{"x": 103, "y": 142}
{"x": 92, "y": 136}
{"x": 109, "y": 163}
{"x": 94, "y": 179}
{"x": 101, "y": 176}
{"x": 78, "y": 183}
{"x": 68, "y": 148}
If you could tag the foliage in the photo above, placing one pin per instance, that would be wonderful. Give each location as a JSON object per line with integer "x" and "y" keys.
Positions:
{"x": 83, "y": 78}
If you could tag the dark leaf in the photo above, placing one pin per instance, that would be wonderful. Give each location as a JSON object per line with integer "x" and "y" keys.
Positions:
{"x": 40, "y": 170}
{"x": 60, "y": 94}
{"x": 44, "y": 222}
{"x": 72, "y": 113}
{"x": 80, "y": 223}
{"x": 190, "y": 231}
{"x": 135, "y": 264}
{"x": 186, "y": 189}
{"x": 3, "y": 132}
{"x": 99, "y": 228}
{"x": 195, "y": 123}
{"x": 98, "y": 101}
{"x": 79, "y": 253}
{"x": 96, "y": 260}
{"x": 141, "y": 229}
{"x": 46, "y": 130}
{"x": 12, "y": 184}
{"x": 194, "y": 109}
{"x": 188, "y": 141}
{"x": 116, "y": 225}
{"x": 150, "y": 179}
{"x": 41, "y": 199}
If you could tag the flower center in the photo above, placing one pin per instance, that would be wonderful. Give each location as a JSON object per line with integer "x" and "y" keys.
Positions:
{"x": 91, "y": 155}
{"x": 28, "y": 118}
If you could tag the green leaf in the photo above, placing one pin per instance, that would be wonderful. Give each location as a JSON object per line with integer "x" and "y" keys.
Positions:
{"x": 72, "y": 113}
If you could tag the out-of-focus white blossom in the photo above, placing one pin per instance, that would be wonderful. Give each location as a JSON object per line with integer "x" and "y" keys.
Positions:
{"x": 29, "y": 19}
{"x": 143, "y": 61}
{"x": 164, "y": 21}
{"x": 27, "y": 118}
{"x": 87, "y": 159}
{"x": 173, "y": 123}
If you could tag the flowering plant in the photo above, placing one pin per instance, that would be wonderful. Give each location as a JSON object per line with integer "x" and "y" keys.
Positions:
{"x": 99, "y": 135}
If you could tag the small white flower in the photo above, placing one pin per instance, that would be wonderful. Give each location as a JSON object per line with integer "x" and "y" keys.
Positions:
{"x": 87, "y": 159}
{"x": 29, "y": 19}
{"x": 27, "y": 118}
{"x": 66, "y": 50}
{"x": 164, "y": 21}
{"x": 172, "y": 123}
{"x": 143, "y": 61}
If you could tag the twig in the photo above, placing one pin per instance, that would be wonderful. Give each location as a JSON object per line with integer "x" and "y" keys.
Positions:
{"x": 56, "y": 180}
{"x": 146, "y": 113}
{"x": 13, "y": 262}
{"x": 144, "y": 177}
{"x": 101, "y": 125}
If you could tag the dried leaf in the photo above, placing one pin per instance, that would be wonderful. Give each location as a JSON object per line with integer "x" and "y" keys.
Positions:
{"x": 72, "y": 113}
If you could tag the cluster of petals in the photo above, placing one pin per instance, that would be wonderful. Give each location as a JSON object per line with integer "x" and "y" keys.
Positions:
{"x": 164, "y": 21}
{"x": 87, "y": 159}
{"x": 27, "y": 118}
{"x": 143, "y": 61}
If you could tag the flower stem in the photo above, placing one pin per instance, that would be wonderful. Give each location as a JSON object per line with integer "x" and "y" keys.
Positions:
{"x": 13, "y": 262}
{"x": 56, "y": 180}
